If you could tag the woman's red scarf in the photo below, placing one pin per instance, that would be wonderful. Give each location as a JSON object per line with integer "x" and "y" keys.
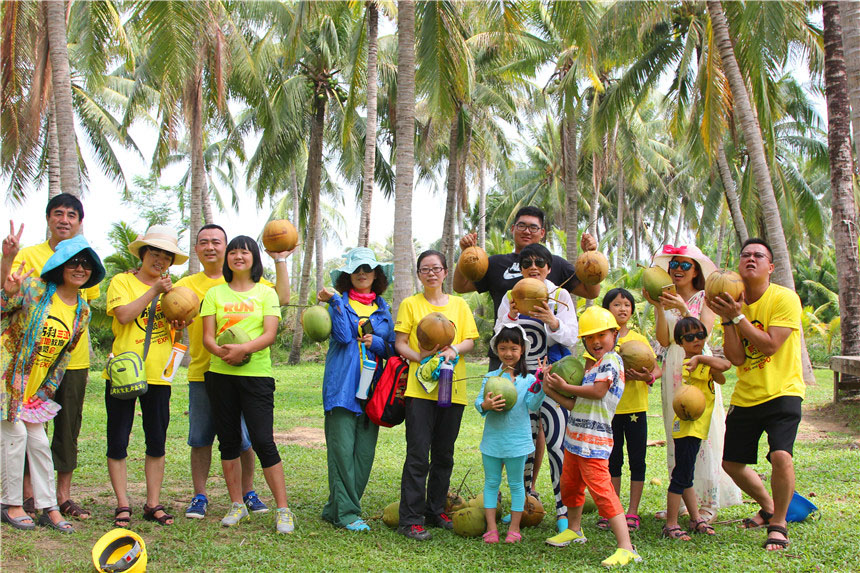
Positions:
{"x": 366, "y": 299}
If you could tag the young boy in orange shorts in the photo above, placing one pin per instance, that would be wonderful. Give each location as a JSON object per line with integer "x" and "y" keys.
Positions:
{"x": 588, "y": 436}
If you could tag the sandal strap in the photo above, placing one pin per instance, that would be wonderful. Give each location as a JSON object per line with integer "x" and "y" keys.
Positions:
{"x": 777, "y": 529}
{"x": 119, "y": 510}
{"x": 765, "y": 516}
{"x": 152, "y": 510}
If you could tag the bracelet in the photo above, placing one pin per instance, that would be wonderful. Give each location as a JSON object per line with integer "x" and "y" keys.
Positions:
{"x": 727, "y": 323}
{"x": 283, "y": 260}
{"x": 454, "y": 348}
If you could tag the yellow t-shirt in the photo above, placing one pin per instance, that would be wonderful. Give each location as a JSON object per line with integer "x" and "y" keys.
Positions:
{"x": 700, "y": 378}
{"x": 635, "y": 397}
{"x": 245, "y": 310}
{"x": 35, "y": 258}
{"x": 200, "y": 284}
{"x": 56, "y": 334}
{"x": 762, "y": 378}
{"x": 410, "y": 313}
{"x": 123, "y": 289}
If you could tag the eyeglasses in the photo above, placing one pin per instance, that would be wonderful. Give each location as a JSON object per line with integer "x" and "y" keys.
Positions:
{"x": 428, "y": 270}
{"x": 528, "y": 263}
{"x": 756, "y": 255}
{"x": 526, "y": 227}
{"x": 82, "y": 261}
{"x": 685, "y": 265}
{"x": 366, "y": 269}
{"x": 691, "y": 336}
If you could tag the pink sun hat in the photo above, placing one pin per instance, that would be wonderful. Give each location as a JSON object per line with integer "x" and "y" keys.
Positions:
{"x": 662, "y": 257}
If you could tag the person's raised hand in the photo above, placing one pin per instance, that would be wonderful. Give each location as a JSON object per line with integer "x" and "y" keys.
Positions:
{"x": 12, "y": 243}
{"x": 670, "y": 300}
{"x": 642, "y": 374}
{"x": 725, "y": 306}
{"x": 543, "y": 313}
{"x": 651, "y": 301}
{"x": 513, "y": 313}
{"x": 469, "y": 240}
{"x": 324, "y": 294}
{"x": 14, "y": 281}
{"x": 587, "y": 242}
{"x": 281, "y": 254}
{"x": 163, "y": 284}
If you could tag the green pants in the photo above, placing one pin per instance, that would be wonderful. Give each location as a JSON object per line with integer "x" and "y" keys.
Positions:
{"x": 351, "y": 445}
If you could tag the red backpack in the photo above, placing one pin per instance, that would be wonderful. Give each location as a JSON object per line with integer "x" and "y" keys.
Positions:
{"x": 387, "y": 406}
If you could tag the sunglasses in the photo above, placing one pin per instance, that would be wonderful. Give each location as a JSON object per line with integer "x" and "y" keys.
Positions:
{"x": 366, "y": 269}
{"x": 82, "y": 261}
{"x": 685, "y": 266}
{"x": 691, "y": 336}
{"x": 528, "y": 263}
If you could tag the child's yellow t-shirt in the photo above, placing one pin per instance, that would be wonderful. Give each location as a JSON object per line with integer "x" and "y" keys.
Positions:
{"x": 700, "y": 378}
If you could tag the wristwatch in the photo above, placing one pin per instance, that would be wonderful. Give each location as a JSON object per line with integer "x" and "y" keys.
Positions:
{"x": 283, "y": 260}
{"x": 738, "y": 318}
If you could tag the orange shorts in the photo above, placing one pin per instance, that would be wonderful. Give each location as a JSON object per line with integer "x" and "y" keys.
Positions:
{"x": 577, "y": 473}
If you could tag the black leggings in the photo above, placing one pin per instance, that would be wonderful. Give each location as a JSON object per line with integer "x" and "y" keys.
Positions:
{"x": 155, "y": 406}
{"x": 633, "y": 427}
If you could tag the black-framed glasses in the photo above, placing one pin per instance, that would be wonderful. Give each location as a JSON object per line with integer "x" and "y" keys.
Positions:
{"x": 691, "y": 336}
{"x": 82, "y": 261}
{"x": 428, "y": 270}
{"x": 758, "y": 255}
{"x": 366, "y": 269}
{"x": 685, "y": 265}
{"x": 528, "y": 263}
{"x": 531, "y": 228}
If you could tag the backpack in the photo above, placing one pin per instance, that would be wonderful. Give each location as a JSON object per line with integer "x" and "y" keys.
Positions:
{"x": 387, "y": 406}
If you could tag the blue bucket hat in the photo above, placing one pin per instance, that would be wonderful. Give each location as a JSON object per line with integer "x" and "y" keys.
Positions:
{"x": 362, "y": 256}
{"x": 67, "y": 250}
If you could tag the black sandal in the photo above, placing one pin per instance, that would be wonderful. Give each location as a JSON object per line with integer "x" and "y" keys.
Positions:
{"x": 149, "y": 514}
{"x": 122, "y": 521}
{"x": 780, "y": 543}
{"x": 675, "y": 532}
{"x": 702, "y": 526}
{"x": 750, "y": 523}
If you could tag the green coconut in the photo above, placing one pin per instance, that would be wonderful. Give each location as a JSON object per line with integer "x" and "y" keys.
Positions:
{"x": 571, "y": 370}
{"x": 653, "y": 281}
{"x": 502, "y": 385}
{"x": 316, "y": 323}
{"x": 454, "y": 502}
{"x": 589, "y": 506}
{"x": 235, "y": 335}
{"x": 477, "y": 501}
{"x": 469, "y": 522}
{"x": 391, "y": 514}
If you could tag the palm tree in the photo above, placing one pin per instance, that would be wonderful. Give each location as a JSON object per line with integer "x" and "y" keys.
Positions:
{"x": 850, "y": 14}
{"x": 844, "y": 219}
{"x": 372, "y": 15}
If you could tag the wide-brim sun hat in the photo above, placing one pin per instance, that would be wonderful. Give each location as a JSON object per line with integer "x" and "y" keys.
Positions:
{"x": 362, "y": 256}
{"x": 161, "y": 237}
{"x": 522, "y": 330}
{"x": 662, "y": 257}
{"x": 67, "y": 250}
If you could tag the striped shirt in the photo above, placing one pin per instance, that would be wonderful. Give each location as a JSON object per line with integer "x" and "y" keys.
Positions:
{"x": 589, "y": 426}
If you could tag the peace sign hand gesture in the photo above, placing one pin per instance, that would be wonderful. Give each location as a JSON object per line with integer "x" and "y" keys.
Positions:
{"x": 12, "y": 243}
{"x": 13, "y": 282}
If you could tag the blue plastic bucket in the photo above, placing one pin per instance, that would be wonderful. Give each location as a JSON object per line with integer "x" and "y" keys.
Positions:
{"x": 799, "y": 509}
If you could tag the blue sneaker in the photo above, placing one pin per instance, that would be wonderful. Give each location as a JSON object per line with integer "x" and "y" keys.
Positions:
{"x": 197, "y": 509}
{"x": 253, "y": 502}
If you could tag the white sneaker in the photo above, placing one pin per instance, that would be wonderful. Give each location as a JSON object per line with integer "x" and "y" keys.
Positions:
{"x": 237, "y": 513}
{"x": 286, "y": 522}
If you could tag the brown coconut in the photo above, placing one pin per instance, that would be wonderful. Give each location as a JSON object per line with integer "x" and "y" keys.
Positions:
{"x": 637, "y": 355}
{"x": 180, "y": 304}
{"x": 454, "y": 502}
{"x": 724, "y": 280}
{"x": 435, "y": 330}
{"x": 689, "y": 403}
{"x": 591, "y": 267}
{"x": 473, "y": 263}
{"x": 528, "y": 293}
{"x": 280, "y": 235}
{"x": 533, "y": 512}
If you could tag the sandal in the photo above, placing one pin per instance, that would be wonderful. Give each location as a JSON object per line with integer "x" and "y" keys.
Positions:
{"x": 123, "y": 522}
{"x": 513, "y": 537}
{"x": 62, "y": 526}
{"x": 751, "y": 523}
{"x": 702, "y": 526}
{"x": 29, "y": 506}
{"x": 72, "y": 509}
{"x": 149, "y": 514}
{"x": 603, "y": 524}
{"x": 632, "y": 521}
{"x": 780, "y": 543}
{"x": 491, "y": 536}
{"x": 22, "y": 522}
{"x": 675, "y": 532}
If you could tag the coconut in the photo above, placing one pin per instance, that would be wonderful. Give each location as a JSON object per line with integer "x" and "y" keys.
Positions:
{"x": 591, "y": 267}
{"x": 473, "y": 263}
{"x": 391, "y": 514}
{"x": 528, "y": 293}
{"x": 435, "y": 330}
{"x": 469, "y": 522}
{"x": 589, "y": 506}
{"x": 689, "y": 403}
{"x": 316, "y": 323}
{"x": 533, "y": 512}
{"x": 653, "y": 281}
{"x": 180, "y": 304}
{"x": 637, "y": 355}
{"x": 571, "y": 370}
{"x": 724, "y": 280}
{"x": 235, "y": 335}
{"x": 280, "y": 235}
{"x": 502, "y": 385}
{"x": 477, "y": 501}
{"x": 454, "y": 502}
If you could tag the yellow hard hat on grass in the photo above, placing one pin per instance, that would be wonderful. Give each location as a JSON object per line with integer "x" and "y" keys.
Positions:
{"x": 120, "y": 550}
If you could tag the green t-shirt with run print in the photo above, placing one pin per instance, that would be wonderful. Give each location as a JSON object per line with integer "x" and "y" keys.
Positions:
{"x": 245, "y": 310}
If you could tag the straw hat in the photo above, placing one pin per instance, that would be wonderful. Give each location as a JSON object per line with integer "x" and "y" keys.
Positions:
{"x": 662, "y": 257}
{"x": 161, "y": 237}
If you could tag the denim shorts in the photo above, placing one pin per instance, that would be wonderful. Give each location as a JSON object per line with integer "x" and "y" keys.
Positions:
{"x": 201, "y": 426}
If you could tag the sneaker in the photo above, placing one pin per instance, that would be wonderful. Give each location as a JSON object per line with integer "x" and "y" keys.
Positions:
{"x": 237, "y": 513}
{"x": 253, "y": 503}
{"x": 566, "y": 537}
{"x": 197, "y": 509}
{"x": 442, "y": 520}
{"x": 621, "y": 557}
{"x": 416, "y": 532}
{"x": 286, "y": 522}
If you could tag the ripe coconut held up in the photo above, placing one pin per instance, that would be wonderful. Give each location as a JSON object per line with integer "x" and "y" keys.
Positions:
{"x": 435, "y": 330}
{"x": 473, "y": 263}
{"x": 689, "y": 403}
{"x": 528, "y": 293}
{"x": 280, "y": 235}
{"x": 235, "y": 335}
{"x": 180, "y": 304}
{"x": 469, "y": 522}
{"x": 571, "y": 370}
{"x": 653, "y": 281}
{"x": 316, "y": 323}
{"x": 724, "y": 280}
{"x": 533, "y": 512}
{"x": 591, "y": 267}
{"x": 637, "y": 355}
{"x": 501, "y": 385}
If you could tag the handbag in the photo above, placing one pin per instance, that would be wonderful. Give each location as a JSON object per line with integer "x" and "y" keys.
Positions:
{"x": 127, "y": 370}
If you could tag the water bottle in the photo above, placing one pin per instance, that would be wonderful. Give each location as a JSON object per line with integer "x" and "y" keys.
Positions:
{"x": 446, "y": 382}
{"x": 173, "y": 362}
{"x": 368, "y": 368}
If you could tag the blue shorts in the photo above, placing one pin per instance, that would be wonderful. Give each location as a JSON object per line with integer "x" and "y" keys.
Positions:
{"x": 201, "y": 426}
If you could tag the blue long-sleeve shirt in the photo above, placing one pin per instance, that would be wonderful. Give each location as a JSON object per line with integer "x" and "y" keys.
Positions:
{"x": 509, "y": 434}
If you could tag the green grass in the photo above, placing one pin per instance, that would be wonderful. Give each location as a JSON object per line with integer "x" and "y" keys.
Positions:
{"x": 827, "y": 466}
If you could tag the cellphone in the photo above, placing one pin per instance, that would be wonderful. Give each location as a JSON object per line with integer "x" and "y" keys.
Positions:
{"x": 670, "y": 289}
{"x": 365, "y": 327}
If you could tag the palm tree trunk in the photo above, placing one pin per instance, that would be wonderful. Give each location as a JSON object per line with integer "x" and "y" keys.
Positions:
{"x": 619, "y": 222}
{"x": 319, "y": 263}
{"x": 482, "y": 207}
{"x": 570, "y": 162}
{"x": 370, "y": 131}
{"x": 54, "y": 181}
{"x": 844, "y": 219}
{"x": 850, "y": 14}
{"x": 198, "y": 168}
{"x": 755, "y": 146}
{"x": 294, "y": 191}
{"x": 312, "y": 185}
{"x": 720, "y": 240}
{"x": 681, "y": 213}
{"x": 731, "y": 194}
{"x": 55, "y": 18}
{"x": 451, "y": 199}
{"x": 207, "y": 207}
{"x": 637, "y": 218}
